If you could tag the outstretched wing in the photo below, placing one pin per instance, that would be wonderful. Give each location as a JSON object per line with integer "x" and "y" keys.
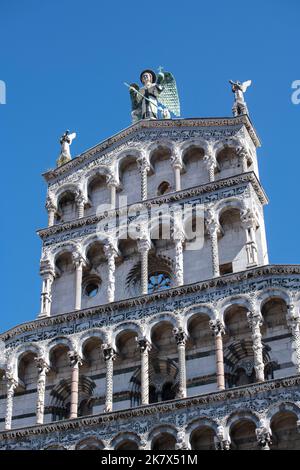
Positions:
{"x": 169, "y": 95}
{"x": 72, "y": 136}
{"x": 245, "y": 85}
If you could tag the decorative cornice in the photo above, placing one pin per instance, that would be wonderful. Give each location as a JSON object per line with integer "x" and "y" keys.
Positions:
{"x": 153, "y": 124}
{"x": 237, "y": 393}
{"x": 142, "y": 301}
{"x": 249, "y": 177}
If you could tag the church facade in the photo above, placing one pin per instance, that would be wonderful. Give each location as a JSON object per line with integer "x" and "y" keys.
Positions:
{"x": 151, "y": 341}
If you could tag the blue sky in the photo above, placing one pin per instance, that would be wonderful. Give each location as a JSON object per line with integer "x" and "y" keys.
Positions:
{"x": 64, "y": 63}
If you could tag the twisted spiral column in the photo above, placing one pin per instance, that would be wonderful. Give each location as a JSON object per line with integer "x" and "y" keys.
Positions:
{"x": 255, "y": 321}
{"x": 294, "y": 326}
{"x": 144, "y": 167}
{"x": 144, "y": 246}
{"x": 43, "y": 369}
{"x": 110, "y": 253}
{"x": 11, "y": 386}
{"x": 179, "y": 261}
{"x": 213, "y": 229}
{"x": 109, "y": 357}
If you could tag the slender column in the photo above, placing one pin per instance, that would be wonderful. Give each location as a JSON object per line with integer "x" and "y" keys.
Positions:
{"x": 211, "y": 162}
{"x": 11, "y": 386}
{"x": 255, "y": 321}
{"x": 294, "y": 326}
{"x": 51, "y": 208}
{"x": 112, "y": 184}
{"x": 80, "y": 201}
{"x": 109, "y": 357}
{"x": 144, "y": 167}
{"x": 75, "y": 362}
{"x": 264, "y": 438}
{"x": 145, "y": 347}
{"x": 243, "y": 154}
{"x": 218, "y": 330}
{"x": 144, "y": 247}
{"x": 213, "y": 229}
{"x": 43, "y": 369}
{"x": 46, "y": 297}
{"x": 110, "y": 253}
{"x": 179, "y": 261}
{"x": 249, "y": 223}
{"x": 176, "y": 160}
{"x": 78, "y": 261}
{"x": 180, "y": 338}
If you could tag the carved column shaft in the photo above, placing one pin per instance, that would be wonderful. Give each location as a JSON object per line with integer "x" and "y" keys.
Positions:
{"x": 218, "y": 330}
{"x": 46, "y": 297}
{"x": 255, "y": 322}
{"x": 11, "y": 386}
{"x": 144, "y": 167}
{"x": 144, "y": 349}
{"x": 113, "y": 196}
{"x": 109, "y": 357}
{"x": 294, "y": 325}
{"x": 110, "y": 254}
{"x": 180, "y": 338}
{"x": 213, "y": 228}
{"x": 143, "y": 248}
{"x": 43, "y": 368}
{"x": 179, "y": 262}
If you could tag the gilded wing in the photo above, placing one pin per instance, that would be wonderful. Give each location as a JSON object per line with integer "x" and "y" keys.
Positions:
{"x": 169, "y": 95}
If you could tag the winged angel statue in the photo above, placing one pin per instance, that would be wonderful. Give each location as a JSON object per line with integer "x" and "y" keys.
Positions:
{"x": 157, "y": 90}
{"x": 65, "y": 142}
{"x": 238, "y": 88}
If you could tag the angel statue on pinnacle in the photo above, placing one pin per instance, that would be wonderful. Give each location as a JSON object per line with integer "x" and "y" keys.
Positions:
{"x": 157, "y": 90}
{"x": 239, "y": 105}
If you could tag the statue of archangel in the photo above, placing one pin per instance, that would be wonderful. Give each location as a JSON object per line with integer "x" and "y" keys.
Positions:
{"x": 65, "y": 142}
{"x": 239, "y": 105}
{"x": 157, "y": 90}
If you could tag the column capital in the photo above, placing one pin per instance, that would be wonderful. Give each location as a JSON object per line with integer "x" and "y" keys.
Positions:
{"x": 110, "y": 249}
{"x": 211, "y": 222}
{"x": 12, "y": 381}
{"x": 144, "y": 343}
{"x": 217, "y": 327}
{"x": 221, "y": 443}
{"x": 79, "y": 197}
{"x": 248, "y": 218}
{"x": 50, "y": 204}
{"x": 176, "y": 158}
{"x": 112, "y": 181}
{"x": 47, "y": 270}
{"x": 79, "y": 260}
{"x": 143, "y": 163}
{"x": 143, "y": 244}
{"x": 263, "y": 437}
{"x": 41, "y": 364}
{"x": 75, "y": 359}
{"x": 255, "y": 319}
{"x": 180, "y": 335}
{"x": 108, "y": 352}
